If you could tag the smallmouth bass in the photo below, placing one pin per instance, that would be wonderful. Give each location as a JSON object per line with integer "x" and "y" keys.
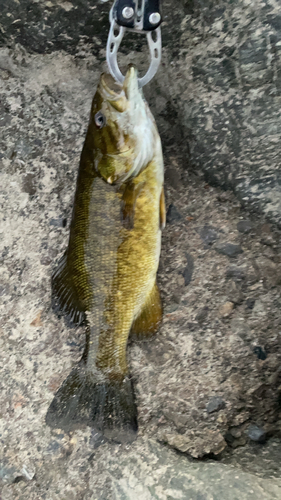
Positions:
{"x": 107, "y": 277}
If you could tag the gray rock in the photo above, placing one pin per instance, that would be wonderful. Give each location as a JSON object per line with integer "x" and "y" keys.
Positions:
{"x": 196, "y": 444}
{"x": 223, "y": 111}
{"x": 173, "y": 214}
{"x": 173, "y": 178}
{"x": 250, "y": 303}
{"x": 170, "y": 308}
{"x": 245, "y": 226}
{"x": 236, "y": 273}
{"x": 240, "y": 327}
{"x": 157, "y": 472}
{"x": 28, "y": 185}
{"x": 260, "y": 352}
{"x": 202, "y": 315}
{"x": 188, "y": 271}
{"x": 215, "y": 404}
{"x": 60, "y": 222}
{"x": 256, "y": 433}
{"x": 208, "y": 234}
{"x": 229, "y": 249}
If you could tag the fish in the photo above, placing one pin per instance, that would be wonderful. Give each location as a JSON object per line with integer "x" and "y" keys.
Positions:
{"x": 106, "y": 279}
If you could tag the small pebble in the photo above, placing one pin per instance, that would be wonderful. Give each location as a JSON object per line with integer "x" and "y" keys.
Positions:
{"x": 250, "y": 303}
{"x": 202, "y": 315}
{"x": 61, "y": 222}
{"x": 236, "y": 273}
{"x": 173, "y": 214}
{"x": 208, "y": 234}
{"x": 229, "y": 249}
{"x": 256, "y": 433}
{"x": 226, "y": 309}
{"x": 245, "y": 226}
{"x": 261, "y": 354}
{"x": 170, "y": 308}
{"x": 215, "y": 404}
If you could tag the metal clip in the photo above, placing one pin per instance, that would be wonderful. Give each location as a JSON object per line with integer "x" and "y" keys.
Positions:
{"x": 134, "y": 15}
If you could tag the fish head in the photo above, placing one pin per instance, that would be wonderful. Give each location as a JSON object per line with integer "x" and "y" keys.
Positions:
{"x": 122, "y": 128}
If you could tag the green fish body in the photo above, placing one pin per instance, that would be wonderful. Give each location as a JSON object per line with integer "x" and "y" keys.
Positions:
{"x": 107, "y": 277}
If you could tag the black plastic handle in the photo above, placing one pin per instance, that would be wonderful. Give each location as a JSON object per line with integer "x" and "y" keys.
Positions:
{"x": 150, "y": 7}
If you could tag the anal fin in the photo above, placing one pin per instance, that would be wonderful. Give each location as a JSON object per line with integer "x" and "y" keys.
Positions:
{"x": 148, "y": 321}
{"x": 65, "y": 299}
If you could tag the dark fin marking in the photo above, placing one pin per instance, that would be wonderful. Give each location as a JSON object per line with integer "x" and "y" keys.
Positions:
{"x": 162, "y": 210}
{"x": 148, "y": 322}
{"x": 108, "y": 406}
{"x": 128, "y": 205}
{"x": 65, "y": 299}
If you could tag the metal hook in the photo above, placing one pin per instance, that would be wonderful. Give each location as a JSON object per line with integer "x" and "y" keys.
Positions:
{"x": 113, "y": 43}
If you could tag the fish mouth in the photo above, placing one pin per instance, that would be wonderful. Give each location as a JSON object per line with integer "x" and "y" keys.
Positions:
{"x": 114, "y": 90}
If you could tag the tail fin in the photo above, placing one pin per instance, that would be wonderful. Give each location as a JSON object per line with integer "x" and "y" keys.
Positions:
{"x": 107, "y": 406}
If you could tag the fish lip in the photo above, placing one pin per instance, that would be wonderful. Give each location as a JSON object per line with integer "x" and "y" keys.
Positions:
{"x": 113, "y": 90}
{"x": 109, "y": 87}
{"x": 131, "y": 84}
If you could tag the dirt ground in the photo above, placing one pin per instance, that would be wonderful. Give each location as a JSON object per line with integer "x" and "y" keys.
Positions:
{"x": 208, "y": 385}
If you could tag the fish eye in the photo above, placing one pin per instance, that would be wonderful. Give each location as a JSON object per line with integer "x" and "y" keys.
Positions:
{"x": 100, "y": 119}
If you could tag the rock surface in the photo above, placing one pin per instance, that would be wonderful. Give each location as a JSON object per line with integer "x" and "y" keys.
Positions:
{"x": 196, "y": 356}
{"x": 216, "y": 95}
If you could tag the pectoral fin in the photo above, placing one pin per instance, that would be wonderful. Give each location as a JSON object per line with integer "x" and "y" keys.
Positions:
{"x": 148, "y": 322}
{"x": 162, "y": 210}
{"x": 128, "y": 206}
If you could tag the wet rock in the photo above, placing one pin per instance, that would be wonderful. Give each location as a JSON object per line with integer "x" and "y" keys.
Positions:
{"x": 173, "y": 178}
{"x": 173, "y": 214}
{"x": 208, "y": 234}
{"x": 261, "y": 354}
{"x": 229, "y": 249}
{"x": 215, "y": 404}
{"x": 236, "y": 273}
{"x": 256, "y": 433}
{"x": 188, "y": 271}
{"x": 197, "y": 445}
{"x": 226, "y": 309}
{"x": 245, "y": 226}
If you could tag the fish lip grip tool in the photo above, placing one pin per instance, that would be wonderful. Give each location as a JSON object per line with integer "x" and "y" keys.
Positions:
{"x": 140, "y": 16}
